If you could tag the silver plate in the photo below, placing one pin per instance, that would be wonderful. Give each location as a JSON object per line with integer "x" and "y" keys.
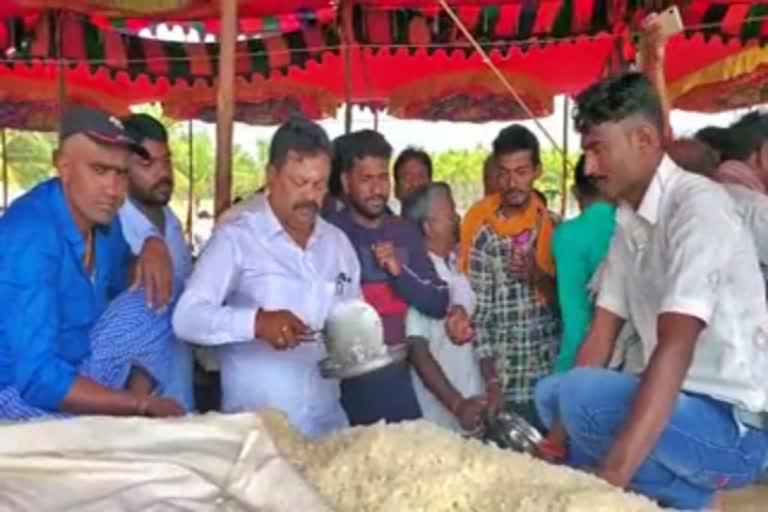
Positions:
{"x": 509, "y": 430}
{"x": 330, "y": 369}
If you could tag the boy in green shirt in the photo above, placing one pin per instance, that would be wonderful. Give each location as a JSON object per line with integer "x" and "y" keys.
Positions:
{"x": 579, "y": 246}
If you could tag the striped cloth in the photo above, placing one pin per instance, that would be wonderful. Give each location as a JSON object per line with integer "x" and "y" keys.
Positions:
{"x": 127, "y": 335}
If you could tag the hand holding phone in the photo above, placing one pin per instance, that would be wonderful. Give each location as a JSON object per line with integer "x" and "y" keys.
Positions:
{"x": 657, "y": 29}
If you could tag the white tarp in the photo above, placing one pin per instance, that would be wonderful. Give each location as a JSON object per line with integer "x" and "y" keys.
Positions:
{"x": 97, "y": 464}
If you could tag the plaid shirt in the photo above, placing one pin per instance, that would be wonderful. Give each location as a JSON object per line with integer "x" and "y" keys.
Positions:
{"x": 515, "y": 329}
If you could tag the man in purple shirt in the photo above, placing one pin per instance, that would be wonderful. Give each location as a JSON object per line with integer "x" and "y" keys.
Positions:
{"x": 396, "y": 274}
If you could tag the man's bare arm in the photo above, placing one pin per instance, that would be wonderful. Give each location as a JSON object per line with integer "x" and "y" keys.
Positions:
{"x": 88, "y": 397}
{"x": 654, "y": 402}
{"x": 600, "y": 342}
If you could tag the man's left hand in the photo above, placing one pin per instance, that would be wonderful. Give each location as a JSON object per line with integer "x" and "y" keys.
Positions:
{"x": 154, "y": 270}
{"x": 386, "y": 257}
{"x": 458, "y": 326}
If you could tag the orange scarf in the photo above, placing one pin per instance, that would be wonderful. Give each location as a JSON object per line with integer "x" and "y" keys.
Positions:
{"x": 486, "y": 211}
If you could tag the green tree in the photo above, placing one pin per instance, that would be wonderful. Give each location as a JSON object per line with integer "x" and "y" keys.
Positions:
{"x": 30, "y": 157}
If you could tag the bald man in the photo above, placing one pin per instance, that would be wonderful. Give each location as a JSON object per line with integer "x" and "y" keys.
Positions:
{"x": 64, "y": 349}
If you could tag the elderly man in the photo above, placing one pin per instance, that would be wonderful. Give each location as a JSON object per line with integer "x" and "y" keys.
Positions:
{"x": 266, "y": 280}
{"x": 62, "y": 259}
{"x": 681, "y": 269}
{"x": 146, "y": 214}
{"x": 460, "y": 409}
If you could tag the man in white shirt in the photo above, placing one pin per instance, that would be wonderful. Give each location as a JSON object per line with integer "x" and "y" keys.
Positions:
{"x": 460, "y": 403}
{"x": 266, "y": 280}
{"x": 145, "y": 214}
{"x": 681, "y": 269}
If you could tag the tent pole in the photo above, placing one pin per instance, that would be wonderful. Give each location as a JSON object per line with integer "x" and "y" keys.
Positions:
{"x": 5, "y": 168}
{"x": 225, "y": 106}
{"x": 564, "y": 184}
{"x": 346, "y": 40}
{"x": 61, "y": 68}
{"x": 191, "y": 177}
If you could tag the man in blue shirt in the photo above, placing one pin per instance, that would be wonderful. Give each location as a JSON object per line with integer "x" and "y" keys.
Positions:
{"x": 63, "y": 257}
{"x": 146, "y": 214}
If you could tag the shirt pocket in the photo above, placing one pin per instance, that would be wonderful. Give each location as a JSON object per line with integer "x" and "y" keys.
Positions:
{"x": 274, "y": 286}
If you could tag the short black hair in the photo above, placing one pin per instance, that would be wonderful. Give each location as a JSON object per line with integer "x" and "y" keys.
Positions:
{"x": 412, "y": 153}
{"x": 585, "y": 185}
{"x": 748, "y": 135}
{"x": 516, "y": 138}
{"x": 355, "y": 146}
{"x": 416, "y": 206}
{"x": 617, "y": 98}
{"x": 141, "y": 127}
{"x": 717, "y": 138}
{"x": 738, "y": 142}
{"x": 298, "y": 135}
{"x": 755, "y": 119}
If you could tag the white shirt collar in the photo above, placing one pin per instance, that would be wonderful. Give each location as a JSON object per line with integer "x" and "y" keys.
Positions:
{"x": 649, "y": 205}
{"x": 275, "y": 228}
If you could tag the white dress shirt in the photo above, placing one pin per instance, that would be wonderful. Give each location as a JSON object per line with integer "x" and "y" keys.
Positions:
{"x": 753, "y": 208}
{"x": 136, "y": 229}
{"x": 457, "y": 362}
{"x": 252, "y": 263}
{"x": 687, "y": 250}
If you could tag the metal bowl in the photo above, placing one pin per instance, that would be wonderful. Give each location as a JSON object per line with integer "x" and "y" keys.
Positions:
{"x": 510, "y": 431}
{"x": 354, "y": 340}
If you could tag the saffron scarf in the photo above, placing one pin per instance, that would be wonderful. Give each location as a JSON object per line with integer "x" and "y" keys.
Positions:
{"x": 535, "y": 216}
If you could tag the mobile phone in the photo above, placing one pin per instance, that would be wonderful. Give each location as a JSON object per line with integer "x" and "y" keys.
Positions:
{"x": 670, "y": 22}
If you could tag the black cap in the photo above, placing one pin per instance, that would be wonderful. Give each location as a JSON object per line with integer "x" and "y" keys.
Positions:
{"x": 99, "y": 126}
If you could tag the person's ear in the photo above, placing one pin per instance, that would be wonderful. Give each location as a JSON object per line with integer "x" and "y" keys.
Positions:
{"x": 272, "y": 173}
{"x": 426, "y": 227}
{"x": 345, "y": 183}
{"x": 62, "y": 165}
{"x": 646, "y": 136}
{"x": 538, "y": 172}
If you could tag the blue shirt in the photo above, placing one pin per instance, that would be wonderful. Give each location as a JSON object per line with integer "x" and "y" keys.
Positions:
{"x": 579, "y": 246}
{"x": 48, "y": 303}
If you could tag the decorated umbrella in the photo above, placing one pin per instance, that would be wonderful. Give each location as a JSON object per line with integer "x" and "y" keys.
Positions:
{"x": 714, "y": 75}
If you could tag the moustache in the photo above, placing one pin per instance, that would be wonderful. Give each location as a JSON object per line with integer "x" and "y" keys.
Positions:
{"x": 167, "y": 182}
{"x": 313, "y": 207}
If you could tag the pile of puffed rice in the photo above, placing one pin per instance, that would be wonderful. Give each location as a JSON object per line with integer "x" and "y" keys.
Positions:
{"x": 418, "y": 467}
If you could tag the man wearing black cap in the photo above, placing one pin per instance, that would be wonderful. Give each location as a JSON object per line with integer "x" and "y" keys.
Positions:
{"x": 63, "y": 350}
{"x": 146, "y": 214}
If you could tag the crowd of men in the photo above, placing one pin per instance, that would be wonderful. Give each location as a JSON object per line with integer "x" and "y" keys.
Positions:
{"x": 635, "y": 335}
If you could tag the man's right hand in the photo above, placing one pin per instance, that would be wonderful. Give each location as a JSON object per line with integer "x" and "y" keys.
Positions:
{"x": 281, "y": 329}
{"x": 469, "y": 412}
{"x": 157, "y": 407}
{"x": 494, "y": 399}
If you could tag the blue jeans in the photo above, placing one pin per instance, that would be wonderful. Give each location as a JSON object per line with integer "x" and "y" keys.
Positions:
{"x": 700, "y": 451}
{"x": 180, "y": 385}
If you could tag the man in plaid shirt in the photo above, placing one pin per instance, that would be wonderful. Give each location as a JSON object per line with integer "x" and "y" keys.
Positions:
{"x": 505, "y": 250}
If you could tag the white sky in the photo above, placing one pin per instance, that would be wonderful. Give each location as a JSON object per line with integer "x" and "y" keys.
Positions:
{"x": 442, "y": 136}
